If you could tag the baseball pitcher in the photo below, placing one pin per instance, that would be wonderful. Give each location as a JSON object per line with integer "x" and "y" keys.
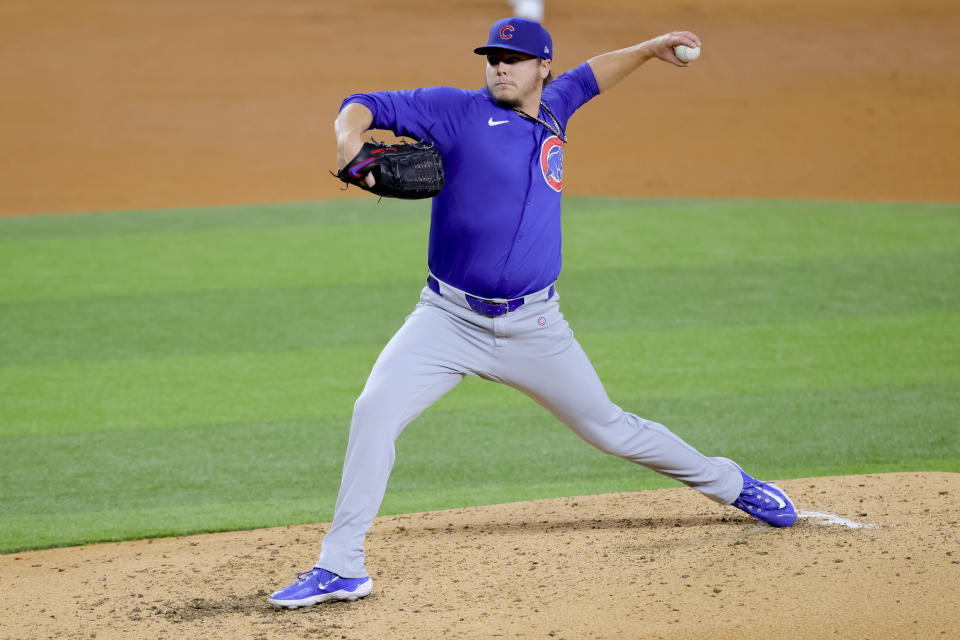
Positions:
{"x": 492, "y": 159}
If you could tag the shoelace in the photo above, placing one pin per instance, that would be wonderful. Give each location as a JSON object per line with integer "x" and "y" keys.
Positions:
{"x": 302, "y": 579}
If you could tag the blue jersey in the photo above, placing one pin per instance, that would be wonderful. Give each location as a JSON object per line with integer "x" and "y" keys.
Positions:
{"x": 495, "y": 227}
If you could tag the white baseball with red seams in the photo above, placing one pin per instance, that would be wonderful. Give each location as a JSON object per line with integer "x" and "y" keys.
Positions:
{"x": 685, "y": 53}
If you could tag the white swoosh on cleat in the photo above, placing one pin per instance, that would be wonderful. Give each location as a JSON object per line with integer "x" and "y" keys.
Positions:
{"x": 780, "y": 503}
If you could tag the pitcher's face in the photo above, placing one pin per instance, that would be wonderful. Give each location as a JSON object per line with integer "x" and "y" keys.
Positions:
{"x": 513, "y": 76}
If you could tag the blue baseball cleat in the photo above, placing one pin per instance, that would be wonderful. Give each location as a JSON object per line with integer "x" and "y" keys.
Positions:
{"x": 319, "y": 585}
{"x": 764, "y": 501}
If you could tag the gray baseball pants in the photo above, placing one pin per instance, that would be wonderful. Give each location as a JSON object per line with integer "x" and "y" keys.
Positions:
{"x": 531, "y": 349}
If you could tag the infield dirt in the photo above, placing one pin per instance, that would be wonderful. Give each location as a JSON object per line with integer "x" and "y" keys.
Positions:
{"x": 115, "y": 105}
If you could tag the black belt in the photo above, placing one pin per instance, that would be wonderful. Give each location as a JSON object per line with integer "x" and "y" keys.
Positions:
{"x": 489, "y": 308}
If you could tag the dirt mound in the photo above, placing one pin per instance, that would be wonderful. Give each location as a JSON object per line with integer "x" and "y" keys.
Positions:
{"x": 872, "y": 556}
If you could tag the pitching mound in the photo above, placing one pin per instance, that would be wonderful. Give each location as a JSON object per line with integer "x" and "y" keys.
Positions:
{"x": 872, "y": 556}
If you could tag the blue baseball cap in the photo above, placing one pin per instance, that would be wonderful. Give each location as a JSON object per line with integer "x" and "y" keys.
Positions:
{"x": 519, "y": 34}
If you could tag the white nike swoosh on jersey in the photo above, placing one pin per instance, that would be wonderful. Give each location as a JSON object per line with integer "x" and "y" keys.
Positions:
{"x": 494, "y": 123}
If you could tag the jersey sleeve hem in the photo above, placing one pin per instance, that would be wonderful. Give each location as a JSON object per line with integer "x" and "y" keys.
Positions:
{"x": 359, "y": 98}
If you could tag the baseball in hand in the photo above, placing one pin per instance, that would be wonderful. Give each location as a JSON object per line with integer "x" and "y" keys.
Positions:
{"x": 685, "y": 53}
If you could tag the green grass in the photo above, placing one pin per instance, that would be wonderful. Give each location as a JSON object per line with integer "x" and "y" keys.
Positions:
{"x": 172, "y": 372}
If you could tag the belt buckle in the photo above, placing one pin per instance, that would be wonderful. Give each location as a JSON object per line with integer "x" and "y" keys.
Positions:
{"x": 489, "y": 308}
{"x": 502, "y": 308}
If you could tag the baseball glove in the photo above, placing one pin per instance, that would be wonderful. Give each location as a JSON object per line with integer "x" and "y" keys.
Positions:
{"x": 404, "y": 170}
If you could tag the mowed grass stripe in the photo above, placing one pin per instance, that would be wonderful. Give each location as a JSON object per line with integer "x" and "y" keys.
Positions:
{"x": 674, "y": 213}
{"x": 45, "y": 530}
{"x": 192, "y": 220}
{"x": 137, "y": 264}
{"x": 226, "y": 476}
{"x": 684, "y": 361}
{"x": 174, "y": 324}
{"x": 310, "y": 317}
{"x": 761, "y": 292}
{"x": 648, "y": 235}
{"x": 709, "y": 233}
